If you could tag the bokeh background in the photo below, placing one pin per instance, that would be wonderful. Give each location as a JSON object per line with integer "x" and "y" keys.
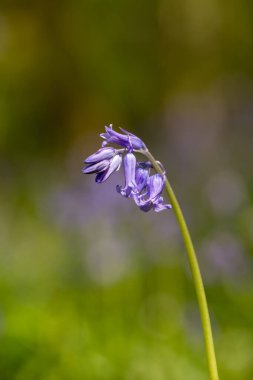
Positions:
{"x": 90, "y": 287}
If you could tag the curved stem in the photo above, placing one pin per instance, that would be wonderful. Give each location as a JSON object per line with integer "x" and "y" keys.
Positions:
{"x": 199, "y": 287}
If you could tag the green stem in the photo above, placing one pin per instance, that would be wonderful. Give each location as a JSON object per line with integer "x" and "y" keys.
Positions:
{"x": 200, "y": 291}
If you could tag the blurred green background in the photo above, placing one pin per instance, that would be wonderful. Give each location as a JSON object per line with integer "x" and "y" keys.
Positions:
{"x": 92, "y": 288}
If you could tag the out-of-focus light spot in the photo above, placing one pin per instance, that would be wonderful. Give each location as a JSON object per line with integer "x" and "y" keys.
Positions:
{"x": 223, "y": 257}
{"x": 241, "y": 342}
{"x": 76, "y": 206}
{"x": 4, "y": 34}
{"x": 226, "y": 192}
{"x": 160, "y": 314}
{"x": 192, "y": 323}
{"x": 100, "y": 364}
{"x": 246, "y": 221}
{"x": 196, "y": 121}
{"x": 157, "y": 362}
{"x": 106, "y": 258}
{"x": 200, "y": 21}
{"x": 140, "y": 370}
{"x": 2, "y": 322}
{"x": 203, "y": 19}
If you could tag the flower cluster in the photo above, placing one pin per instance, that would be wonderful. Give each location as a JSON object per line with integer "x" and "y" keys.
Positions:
{"x": 145, "y": 189}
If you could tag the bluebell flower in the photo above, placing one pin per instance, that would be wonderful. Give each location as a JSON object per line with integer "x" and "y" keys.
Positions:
{"x": 97, "y": 167}
{"x": 142, "y": 176}
{"x": 152, "y": 198}
{"x": 159, "y": 205}
{"x": 145, "y": 165}
{"x": 103, "y": 163}
{"x": 101, "y": 154}
{"x": 130, "y": 182}
{"x": 144, "y": 189}
{"x": 114, "y": 166}
{"x": 127, "y": 140}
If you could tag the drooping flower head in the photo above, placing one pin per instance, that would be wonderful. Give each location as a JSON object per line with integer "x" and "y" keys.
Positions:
{"x": 145, "y": 190}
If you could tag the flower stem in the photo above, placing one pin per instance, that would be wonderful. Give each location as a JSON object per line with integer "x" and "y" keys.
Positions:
{"x": 199, "y": 287}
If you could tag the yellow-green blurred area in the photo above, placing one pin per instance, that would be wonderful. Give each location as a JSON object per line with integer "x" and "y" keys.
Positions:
{"x": 91, "y": 288}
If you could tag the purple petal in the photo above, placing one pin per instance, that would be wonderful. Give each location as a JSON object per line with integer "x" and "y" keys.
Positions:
{"x": 100, "y": 177}
{"x": 126, "y": 132}
{"x": 130, "y": 166}
{"x": 156, "y": 185}
{"x": 160, "y": 206}
{"x": 130, "y": 183}
{"x": 127, "y": 140}
{"x": 101, "y": 154}
{"x": 115, "y": 137}
{"x": 139, "y": 200}
{"x": 114, "y": 165}
{"x": 96, "y": 168}
{"x": 152, "y": 199}
{"x": 135, "y": 141}
{"x": 141, "y": 177}
{"x": 146, "y": 207}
